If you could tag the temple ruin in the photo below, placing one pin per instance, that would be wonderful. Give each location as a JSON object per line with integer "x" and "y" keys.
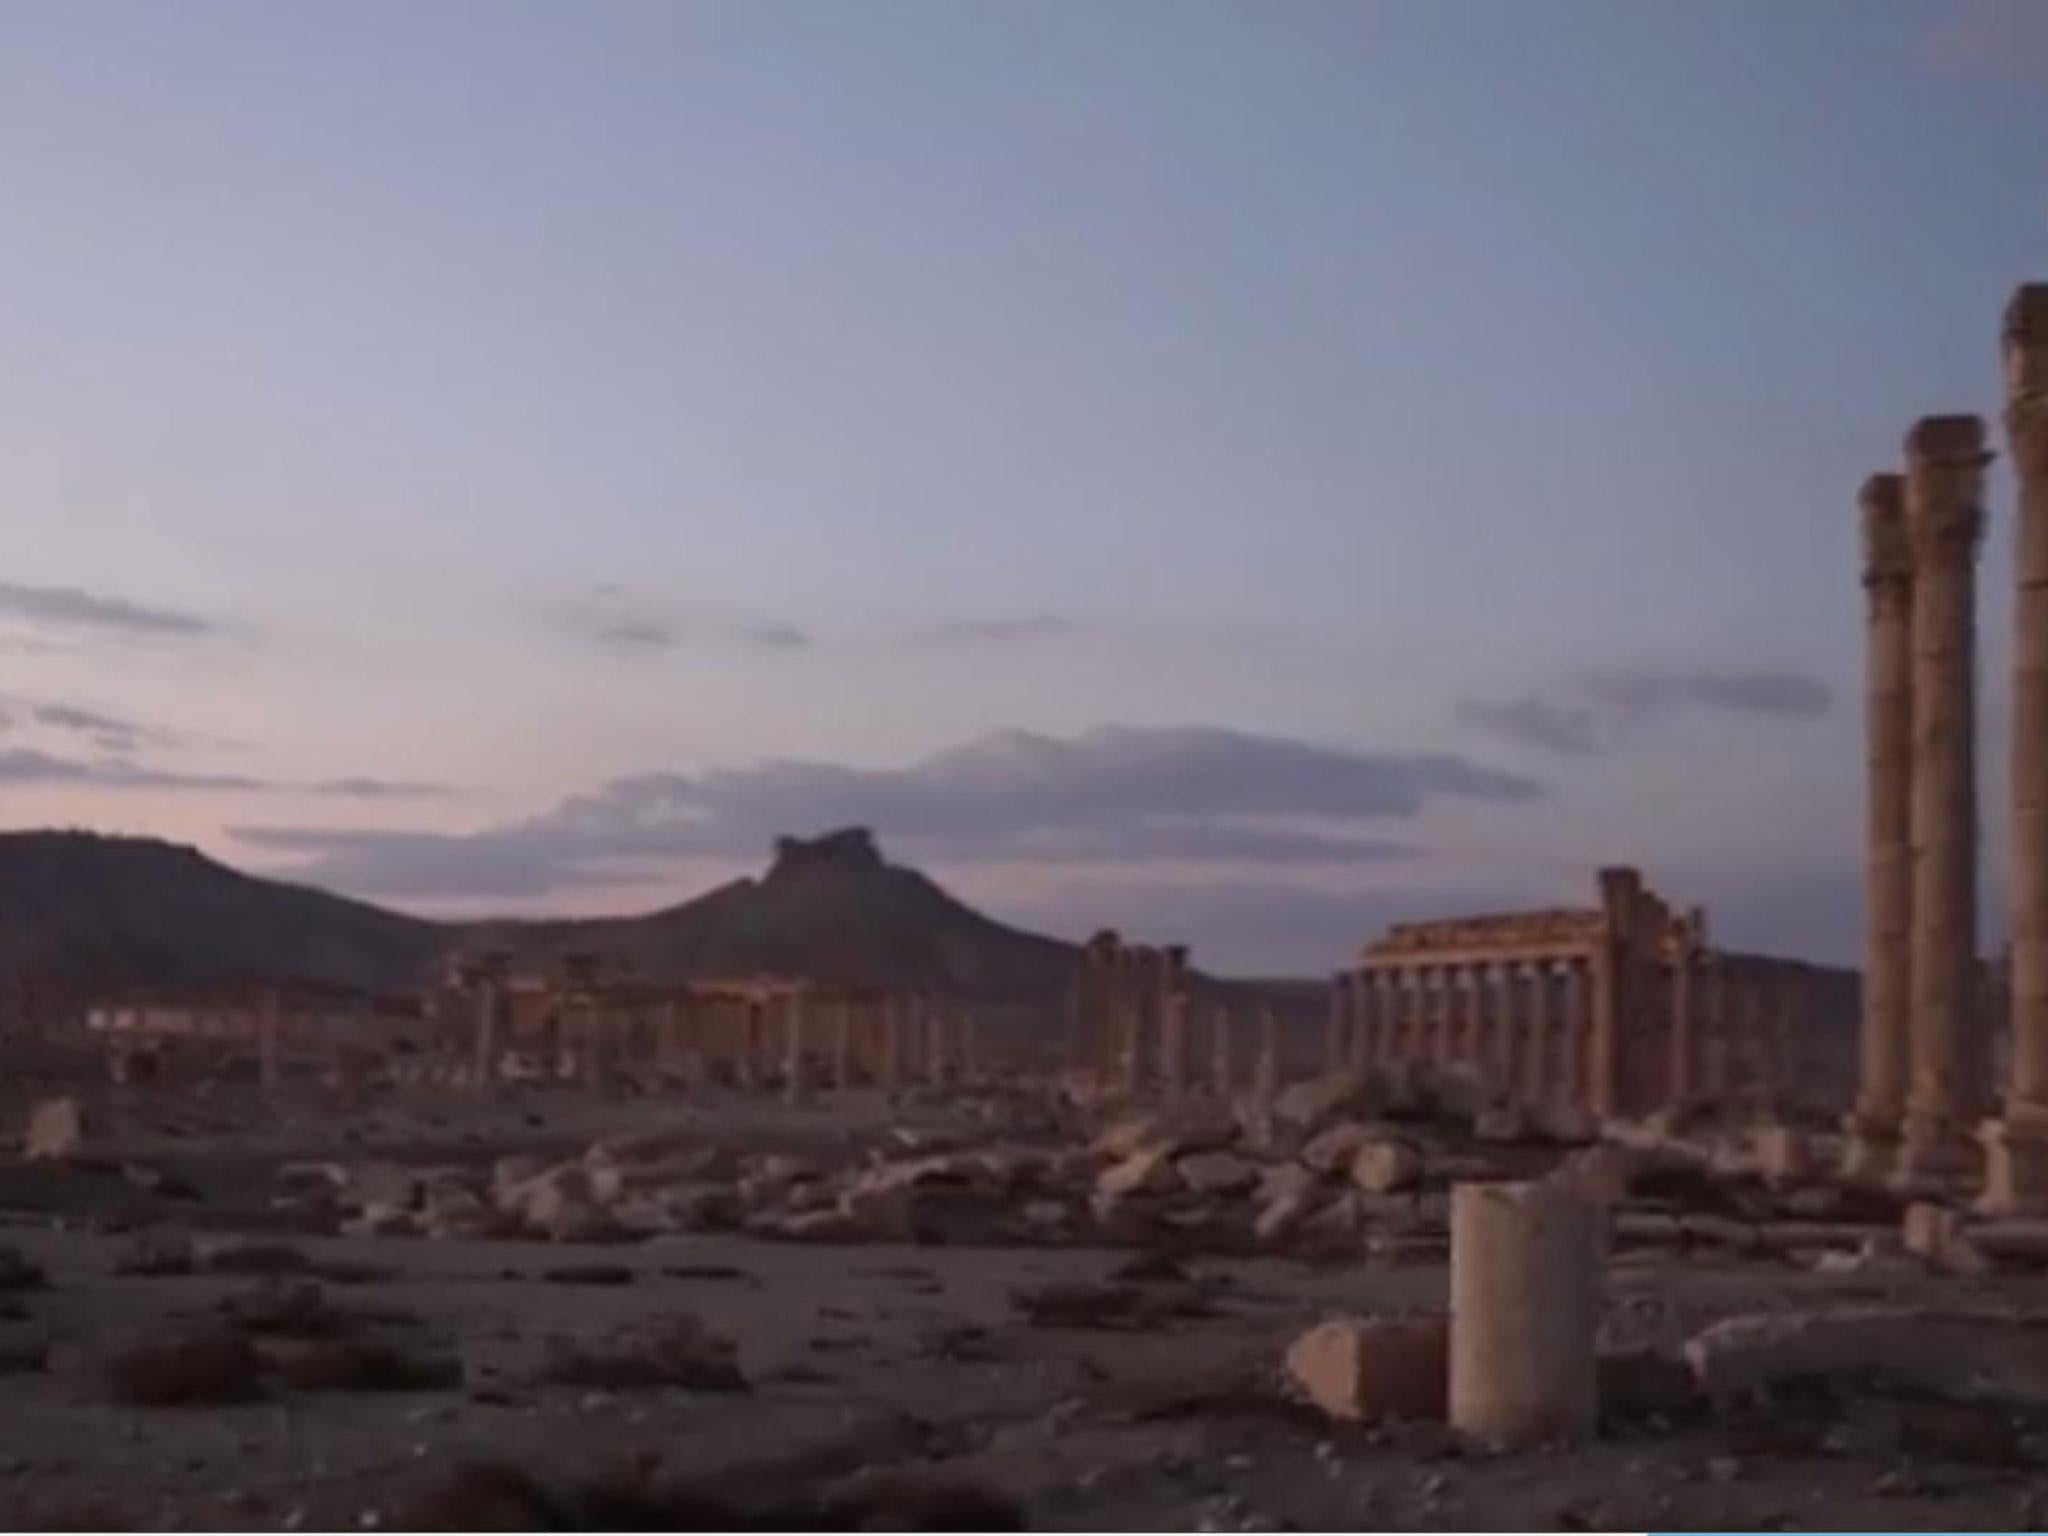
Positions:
{"x": 1613, "y": 1009}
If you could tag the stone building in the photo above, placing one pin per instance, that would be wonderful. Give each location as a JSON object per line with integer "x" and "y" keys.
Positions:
{"x": 1616, "y": 1008}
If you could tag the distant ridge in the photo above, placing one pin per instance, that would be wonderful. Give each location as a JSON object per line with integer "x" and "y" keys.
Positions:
{"x": 83, "y": 911}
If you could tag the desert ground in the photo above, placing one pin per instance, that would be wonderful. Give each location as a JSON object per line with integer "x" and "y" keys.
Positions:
{"x": 231, "y": 1310}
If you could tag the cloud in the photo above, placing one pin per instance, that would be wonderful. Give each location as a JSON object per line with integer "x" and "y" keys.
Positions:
{"x": 1569, "y": 730}
{"x": 29, "y": 765}
{"x": 73, "y": 609}
{"x": 1015, "y": 629}
{"x": 1596, "y": 712}
{"x": 1119, "y": 794}
{"x": 770, "y": 635}
{"x": 25, "y": 765}
{"x": 633, "y": 634}
{"x": 360, "y": 788}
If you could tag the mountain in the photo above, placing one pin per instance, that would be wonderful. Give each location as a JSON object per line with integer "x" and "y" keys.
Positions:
{"x": 829, "y": 907}
{"x": 95, "y": 914}
{"x": 86, "y": 913}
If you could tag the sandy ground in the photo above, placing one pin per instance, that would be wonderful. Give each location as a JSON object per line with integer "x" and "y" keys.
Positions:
{"x": 912, "y": 1359}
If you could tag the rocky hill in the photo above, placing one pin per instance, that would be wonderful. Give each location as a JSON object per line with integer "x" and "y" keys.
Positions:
{"x": 87, "y": 913}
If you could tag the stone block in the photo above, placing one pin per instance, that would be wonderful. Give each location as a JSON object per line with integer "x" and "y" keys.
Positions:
{"x": 56, "y": 1130}
{"x": 1382, "y": 1167}
{"x": 1149, "y": 1171}
{"x": 1366, "y": 1369}
{"x": 1217, "y": 1173}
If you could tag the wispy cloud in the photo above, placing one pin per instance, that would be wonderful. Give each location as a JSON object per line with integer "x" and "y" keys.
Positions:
{"x": 1189, "y": 795}
{"x": 360, "y": 788}
{"x": 993, "y": 630}
{"x": 73, "y": 609}
{"x": 618, "y": 621}
{"x": 1596, "y": 712}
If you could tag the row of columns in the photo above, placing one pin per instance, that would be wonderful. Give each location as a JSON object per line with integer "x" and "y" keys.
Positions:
{"x": 1131, "y": 1020}
{"x": 795, "y": 1037}
{"x": 1923, "y": 1044}
{"x": 1530, "y": 1027}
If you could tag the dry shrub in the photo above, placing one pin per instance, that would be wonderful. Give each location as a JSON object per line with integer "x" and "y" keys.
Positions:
{"x": 181, "y": 1367}
{"x": 681, "y": 1352}
{"x": 367, "y": 1365}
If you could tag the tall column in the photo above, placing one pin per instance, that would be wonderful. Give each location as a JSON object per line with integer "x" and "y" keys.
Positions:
{"x": 1575, "y": 1024}
{"x": 1266, "y": 1071}
{"x": 1222, "y": 1062}
{"x": 1173, "y": 1047}
{"x": 2016, "y": 1168}
{"x": 1536, "y": 1074}
{"x": 1881, "y": 1050}
{"x": 749, "y": 1062}
{"x": 1620, "y": 889}
{"x": 1504, "y": 1055}
{"x": 892, "y": 1042}
{"x": 1944, "y": 521}
{"x": 842, "y": 1042}
{"x": 1678, "y": 1087}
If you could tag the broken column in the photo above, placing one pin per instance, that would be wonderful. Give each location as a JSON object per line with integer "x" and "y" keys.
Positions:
{"x": 1944, "y": 522}
{"x": 2016, "y": 1147}
{"x": 1881, "y": 1054}
{"x": 1525, "y": 1304}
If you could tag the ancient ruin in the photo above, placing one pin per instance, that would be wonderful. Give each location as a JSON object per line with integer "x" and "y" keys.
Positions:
{"x": 1612, "y": 1009}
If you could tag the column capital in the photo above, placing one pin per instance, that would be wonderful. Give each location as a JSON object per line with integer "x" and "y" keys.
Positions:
{"x": 2025, "y": 338}
{"x": 1945, "y": 459}
{"x": 1887, "y": 554}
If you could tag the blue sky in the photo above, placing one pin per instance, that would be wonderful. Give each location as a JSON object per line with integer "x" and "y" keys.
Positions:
{"x": 1239, "y": 472}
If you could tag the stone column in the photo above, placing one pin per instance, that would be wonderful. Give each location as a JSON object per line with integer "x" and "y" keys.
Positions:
{"x": 842, "y": 1043}
{"x": 1881, "y": 1053}
{"x": 1574, "y": 1027}
{"x": 1620, "y": 889}
{"x": 1266, "y": 1071}
{"x": 1536, "y": 1062}
{"x": 2016, "y": 1147}
{"x": 1682, "y": 1076}
{"x": 1432, "y": 1002}
{"x": 793, "y": 1048}
{"x": 1944, "y": 521}
{"x": 1222, "y": 1062}
{"x": 892, "y": 1042}
{"x": 1507, "y": 1046}
{"x": 751, "y": 1029}
{"x": 938, "y": 1062}
{"x": 1173, "y": 1047}
{"x": 1525, "y": 1304}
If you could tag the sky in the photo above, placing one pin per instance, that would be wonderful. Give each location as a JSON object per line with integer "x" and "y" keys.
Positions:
{"x": 1237, "y": 473}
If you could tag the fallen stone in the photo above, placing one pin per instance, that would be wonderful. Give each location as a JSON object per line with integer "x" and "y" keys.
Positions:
{"x": 1367, "y": 1369}
{"x": 1149, "y": 1171}
{"x": 1783, "y": 1154}
{"x": 1963, "y": 1356}
{"x": 381, "y": 1186}
{"x": 1501, "y": 1123}
{"x": 56, "y": 1130}
{"x": 1311, "y": 1102}
{"x": 1281, "y": 1217}
{"x": 1381, "y": 1167}
{"x": 1331, "y": 1149}
{"x": 1935, "y": 1234}
{"x": 1277, "y": 1180}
